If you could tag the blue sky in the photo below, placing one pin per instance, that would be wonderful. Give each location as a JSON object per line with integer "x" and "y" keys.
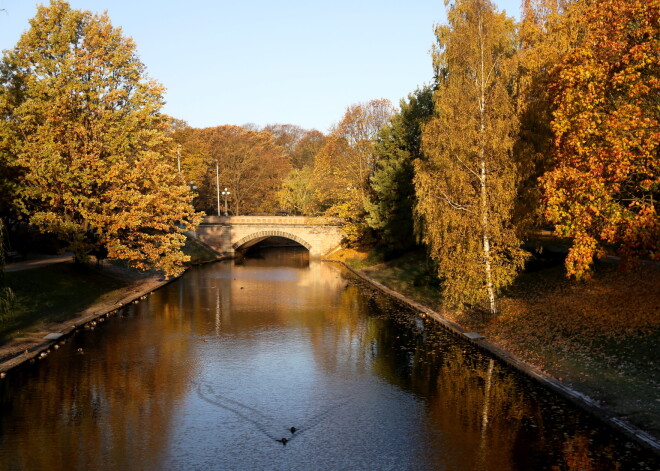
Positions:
{"x": 265, "y": 61}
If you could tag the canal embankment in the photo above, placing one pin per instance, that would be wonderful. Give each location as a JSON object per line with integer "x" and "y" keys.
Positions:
{"x": 594, "y": 343}
{"x": 55, "y": 298}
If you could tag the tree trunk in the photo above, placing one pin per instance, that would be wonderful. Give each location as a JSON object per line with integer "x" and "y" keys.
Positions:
{"x": 482, "y": 175}
{"x": 486, "y": 240}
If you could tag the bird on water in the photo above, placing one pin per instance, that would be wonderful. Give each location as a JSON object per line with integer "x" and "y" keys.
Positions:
{"x": 283, "y": 440}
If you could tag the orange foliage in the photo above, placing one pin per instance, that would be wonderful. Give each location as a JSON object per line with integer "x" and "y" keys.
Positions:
{"x": 606, "y": 187}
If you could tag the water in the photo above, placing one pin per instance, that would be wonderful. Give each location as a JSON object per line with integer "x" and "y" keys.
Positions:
{"x": 212, "y": 370}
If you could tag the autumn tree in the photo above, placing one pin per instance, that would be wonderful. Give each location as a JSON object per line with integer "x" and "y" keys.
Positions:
{"x": 196, "y": 166}
{"x": 305, "y": 150}
{"x": 249, "y": 164}
{"x": 605, "y": 188}
{"x": 81, "y": 125}
{"x": 346, "y": 162}
{"x": 466, "y": 188}
{"x": 297, "y": 195}
{"x": 300, "y": 145}
{"x": 390, "y": 209}
{"x": 286, "y": 136}
{"x": 548, "y": 31}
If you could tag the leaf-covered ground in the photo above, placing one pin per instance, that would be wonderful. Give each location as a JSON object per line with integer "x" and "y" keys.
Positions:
{"x": 600, "y": 336}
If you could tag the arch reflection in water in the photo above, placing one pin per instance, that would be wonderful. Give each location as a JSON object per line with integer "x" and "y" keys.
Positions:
{"x": 213, "y": 369}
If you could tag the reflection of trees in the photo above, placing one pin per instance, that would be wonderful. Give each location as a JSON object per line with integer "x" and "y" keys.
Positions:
{"x": 486, "y": 416}
{"x": 110, "y": 406}
{"x": 480, "y": 406}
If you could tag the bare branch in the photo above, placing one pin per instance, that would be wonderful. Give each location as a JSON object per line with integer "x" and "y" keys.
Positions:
{"x": 455, "y": 205}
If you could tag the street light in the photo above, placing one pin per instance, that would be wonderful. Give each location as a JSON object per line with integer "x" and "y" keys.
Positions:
{"x": 225, "y": 194}
{"x": 217, "y": 185}
{"x": 178, "y": 158}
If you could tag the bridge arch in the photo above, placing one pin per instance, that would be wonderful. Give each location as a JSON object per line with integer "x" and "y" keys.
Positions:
{"x": 229, "y": 235}
{"x": 256, "y": 237}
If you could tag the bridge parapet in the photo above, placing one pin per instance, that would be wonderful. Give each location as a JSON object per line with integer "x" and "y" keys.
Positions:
{"x": 272, "y": 220}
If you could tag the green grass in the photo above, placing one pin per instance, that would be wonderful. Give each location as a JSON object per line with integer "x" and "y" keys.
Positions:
{"x": 52, "y": 294}
{"x": 412, "y": 274}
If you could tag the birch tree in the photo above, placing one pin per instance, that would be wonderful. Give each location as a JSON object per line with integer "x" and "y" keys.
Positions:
{"x": 466, "y": 188}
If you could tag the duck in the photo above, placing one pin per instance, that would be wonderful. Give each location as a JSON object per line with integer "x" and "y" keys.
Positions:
{"x": 283, "y": 440}
{"x": 293, "y": 430}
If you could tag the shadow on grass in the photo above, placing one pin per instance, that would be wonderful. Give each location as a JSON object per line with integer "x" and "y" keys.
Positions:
{"x": 52, "y": 294}
{"x": 413, "y": 274}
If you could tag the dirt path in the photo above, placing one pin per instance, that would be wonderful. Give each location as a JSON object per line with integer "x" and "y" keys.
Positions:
{"x": 40, "y": 262}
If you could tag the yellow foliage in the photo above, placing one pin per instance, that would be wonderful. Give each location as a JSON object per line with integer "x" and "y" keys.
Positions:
{"x": 81, "y": 127}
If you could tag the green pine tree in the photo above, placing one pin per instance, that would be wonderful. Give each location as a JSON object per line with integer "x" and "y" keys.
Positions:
{"x": 390, "y": 211}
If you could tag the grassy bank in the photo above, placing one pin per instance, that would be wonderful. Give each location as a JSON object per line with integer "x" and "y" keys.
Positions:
{"x": 599, "y": 336}
{"x": 53, "y": 293}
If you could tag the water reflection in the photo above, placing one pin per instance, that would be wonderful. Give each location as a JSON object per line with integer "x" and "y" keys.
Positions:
{"x": 96, "y": 400}
{"x": 214, "y": 370}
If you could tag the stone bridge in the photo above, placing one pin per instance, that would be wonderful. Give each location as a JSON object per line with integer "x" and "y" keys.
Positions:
{"x": 228, "y": 235}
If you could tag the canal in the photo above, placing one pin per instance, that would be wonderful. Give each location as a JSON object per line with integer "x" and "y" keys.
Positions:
{"x": 213, "y": 371}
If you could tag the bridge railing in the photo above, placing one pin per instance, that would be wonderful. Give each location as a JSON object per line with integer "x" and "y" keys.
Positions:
{"x": 272, "y": 220}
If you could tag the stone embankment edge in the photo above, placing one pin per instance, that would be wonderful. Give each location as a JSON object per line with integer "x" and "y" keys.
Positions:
{"x": 583, "y": 401}
{"x": 133, "y": 295}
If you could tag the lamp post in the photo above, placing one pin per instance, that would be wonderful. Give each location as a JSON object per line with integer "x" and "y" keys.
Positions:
{"x": 217, "y": 185}
{"x": 178, "y": 158}
{"x": 226, "y": 194}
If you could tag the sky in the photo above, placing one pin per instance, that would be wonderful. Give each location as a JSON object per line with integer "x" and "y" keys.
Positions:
{"x": 299, "y": 62}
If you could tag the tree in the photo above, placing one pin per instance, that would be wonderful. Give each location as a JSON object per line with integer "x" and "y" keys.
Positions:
{"x": 81, "y": 124}
{"x": 466, "y": 188}
{"x": 286, "y": 136}
{"x": 346, "y": 162}
{"x": 305, "y": 150}
{"x": 398, "y": 145}
{"x": 548, "y": 31}
{"x": 605, "y": 188}
{"x": 249, "y": 163}
{"x": 299, "y": 144}
{"x": 297, "y": 193}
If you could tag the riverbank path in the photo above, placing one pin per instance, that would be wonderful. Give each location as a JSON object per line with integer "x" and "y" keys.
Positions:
{"x": 38, "y": 262}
